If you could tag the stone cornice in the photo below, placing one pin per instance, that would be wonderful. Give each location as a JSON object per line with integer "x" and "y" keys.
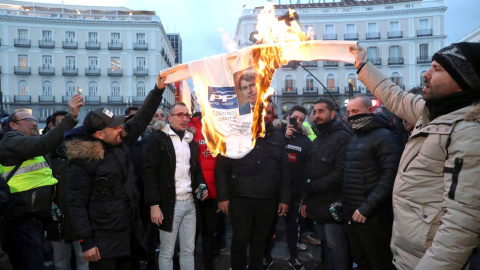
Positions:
{"x": 46, "y": 21}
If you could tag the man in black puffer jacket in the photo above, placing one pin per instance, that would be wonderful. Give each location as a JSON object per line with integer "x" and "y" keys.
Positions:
{"x": 371, "y": 165}
{"x": 325, "y": 171}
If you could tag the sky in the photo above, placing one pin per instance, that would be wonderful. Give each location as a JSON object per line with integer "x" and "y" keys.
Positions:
{"x": 201, "y": 24}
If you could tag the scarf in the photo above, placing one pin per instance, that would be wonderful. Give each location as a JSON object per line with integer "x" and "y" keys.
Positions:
{"x": 360, "y": 120}
{"x": 451, "y": 102}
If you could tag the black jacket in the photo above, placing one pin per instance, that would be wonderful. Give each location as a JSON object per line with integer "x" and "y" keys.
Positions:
{"x": 102, "y": 195}
{"x": 370, "y": 169}
{"x": 263, "y": 173}
{"x": 159, "y": 174}
{"x": 325, "y": 170}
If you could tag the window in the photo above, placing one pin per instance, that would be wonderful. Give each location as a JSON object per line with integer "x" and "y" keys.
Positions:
{"x": 70, "y": 36}
{"x": 22, "y": 61}
{"x": 350, "y": 28}
{"x": 47, "y": 36}
{"x": 309, "y": 83}
{"x": 289, "y": 83}
{"x": 329, "y": 29}
{"x": 141, "y": 38}
{"x": 93, "y": 89}
{"x": 395, "y": 26}
{"x": 22, "y": 88}
{"x": 47, "y": 61}
{"x": 70, "y": 62}
{"x": 141, "y": 89}
{"x": 115, "y": 89}
{"x": 423, "y": 24}
{"x": 423, "y": 52}
{"x": 372, "y": 53}
{"x": 115, "y": 63}
{"x": 309, "y": 31}
{"x": 69, "y": 89}
{"x": 22, "y": 34}
{"x": 395, "y": 52}
{"x": 372, "y": 27}
{"x": 47, "y": 88}
{"x": 421, "y": 77}
{"x": 93, "y": 37}
{"x": 352, "y": 79}
{"x": 396, "y": 78}
{"x": 331, "y": 82}
{"x": 141, "y": 62}
{"x": 115, "y": 37}
{"x": 92, "y": 62}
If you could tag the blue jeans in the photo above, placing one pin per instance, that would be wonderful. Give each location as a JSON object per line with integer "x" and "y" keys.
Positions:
{"x": 184, "y": 225}
{"x": 26, "y": 242}
{"x": 62, "y": 255}
{"x": 334, "y": 246}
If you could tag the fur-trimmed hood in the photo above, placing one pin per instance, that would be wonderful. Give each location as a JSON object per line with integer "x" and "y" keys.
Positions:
{"x": 278, "y": 124}
{"x": 81, "y": 149}
{"x": 473, "y": 115}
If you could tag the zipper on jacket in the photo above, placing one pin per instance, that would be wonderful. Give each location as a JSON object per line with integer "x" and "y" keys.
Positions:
{"x": 406, "y": 166}
{"x": 455, "y": 173}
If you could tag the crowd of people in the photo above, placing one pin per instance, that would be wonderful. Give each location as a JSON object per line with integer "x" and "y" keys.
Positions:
{"x": 391, "y": 187}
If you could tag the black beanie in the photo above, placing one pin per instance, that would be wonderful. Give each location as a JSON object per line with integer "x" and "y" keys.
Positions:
{"x": 462, "y": 62}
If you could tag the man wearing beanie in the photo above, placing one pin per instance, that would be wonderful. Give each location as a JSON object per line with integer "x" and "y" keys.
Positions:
{"x": 436, "y": 195}
{"x": 102, "y": 193}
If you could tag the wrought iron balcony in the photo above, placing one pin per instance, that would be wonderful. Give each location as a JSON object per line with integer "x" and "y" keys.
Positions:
{"x": 46, "y": 99}
{"x": 140, "y": 46}
{"x": 46, "y": 44}
{"x": 92, "y": 45}
{"x": 424, "y": 32}
{"x": 424, "y": 59}
{"x": 66, "y": 98}
{"x": 25, "y": 99}
{"x": 138, "y": 99}
{"x": 373, "y": 35}
{"x": 22, "y": 70}
{"x": 329, "y": 36}
{"x": 22, "y": 43}
{"x": 375, "y": 61}
{"x": 93, "y": 99}
{"x": 333, "y": 90}
{"x": 140, "y": 71}
{"x": 330, "y": 64}
{"x": 395, "y": 60}
{"x": 309, "y": 63}
{"x": 68, "y": 71}
{"x": 356, "y": 90}
{"x": 70, "y": 44}
{"x": 115, "y": 72}
{"x": 395, "y": 34}
{"x": 48, "y": 71}
{"x": 92, "y": 71}
{"x": 310, "y": 90}
{"x": 351, "y": 36}
{"x": 289, "y": 91}
{"x": 115, "y": 45}
{"x": 115, "y": 99}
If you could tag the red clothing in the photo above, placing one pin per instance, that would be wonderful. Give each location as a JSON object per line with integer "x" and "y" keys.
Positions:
{"x": 207, "y": 161}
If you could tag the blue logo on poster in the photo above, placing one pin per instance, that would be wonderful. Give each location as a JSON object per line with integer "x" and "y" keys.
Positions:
{"x": 222, "y": 97}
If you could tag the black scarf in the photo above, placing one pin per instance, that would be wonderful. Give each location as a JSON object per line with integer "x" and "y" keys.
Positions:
{"x": 450, "y": 103}
{"x": 180, "y": 134}
{"x": 360, "y": 120}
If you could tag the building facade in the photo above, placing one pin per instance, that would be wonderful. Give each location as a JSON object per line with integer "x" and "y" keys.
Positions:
{"x": 48, "y": 51}
{"x": 176, "y": 42}
{"x": 400, "y": 37}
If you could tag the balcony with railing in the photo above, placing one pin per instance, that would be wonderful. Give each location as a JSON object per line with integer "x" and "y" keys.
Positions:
{"x": 395, "y": 34}
{"x": 24, "y": 99}
{"x": 115, "y": 99}
{"x": 349, "y": 65}
{"x": 289, "y": 91}
{"x": 115, "y": 72}
{"x": 424, "y": 59}
{"x": 356, "y": 90}
{"x": 395, "y": 60}
{"x": 351, "y": 36}
{"x": 373, "y": 35}
{"x": 69, "y": 71}
{"x": 310, "y": 90}
{"x": 115, "y": 45}
{"x": 22, "y": 70}
{"x": 66, "y": 98}
{"x": 329, "y": 36}
{"x": 89, "y": 45}
{"x": 46, "y": 44}
{"x": 424, "y": 32}
{"x": 140, "y": 46}
{"x": 140, "y": 72}
{"x": 46, "y": 99}
{"x": 138, "y": 99}
{"x": 330, "y": 64}
{"x": 70, "y": 44}
{"x": 92, "y": 71}
{"x": 309, "y": 63}
{"x": 93, "y": 99}
{"x": 47, "y": 71}
{"x": 333, "y": 90}
{"x": 22, "y": 43}
{"x": 375, "y": 61}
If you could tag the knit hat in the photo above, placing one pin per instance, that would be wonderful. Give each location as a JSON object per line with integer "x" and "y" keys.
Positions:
{"x": 462, "y": 62}
{"x": 101, "y": 118}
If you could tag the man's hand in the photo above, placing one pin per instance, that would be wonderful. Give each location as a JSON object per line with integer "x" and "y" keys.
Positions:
{"x": 156, "y": 215}
{"x": 205, "y": 194}
{"x": 161, "y": 81}
{"x": 282, "y": 209}
{"x": 303, "y": 211}
{"x": 357, "y": 217}
{"x": 223, "y": 206}
{"x": 92, "y": 255}
{"x": 359, "y": 53}
{"x": 75, "y": 103}
{"x": 290, "y": 131}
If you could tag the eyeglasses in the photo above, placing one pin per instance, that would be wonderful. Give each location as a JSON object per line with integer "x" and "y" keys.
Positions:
{"x": 182, "y": 115}
{"x": 28, "y": 119}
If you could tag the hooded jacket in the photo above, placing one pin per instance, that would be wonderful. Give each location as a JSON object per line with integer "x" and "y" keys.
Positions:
{"x": 370, "y": 167}
{"x": 102, "y": 195}
{"x": 159, "y": 172}
{"x": 436, "y": 195}
{"x": 325, "y": 170}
